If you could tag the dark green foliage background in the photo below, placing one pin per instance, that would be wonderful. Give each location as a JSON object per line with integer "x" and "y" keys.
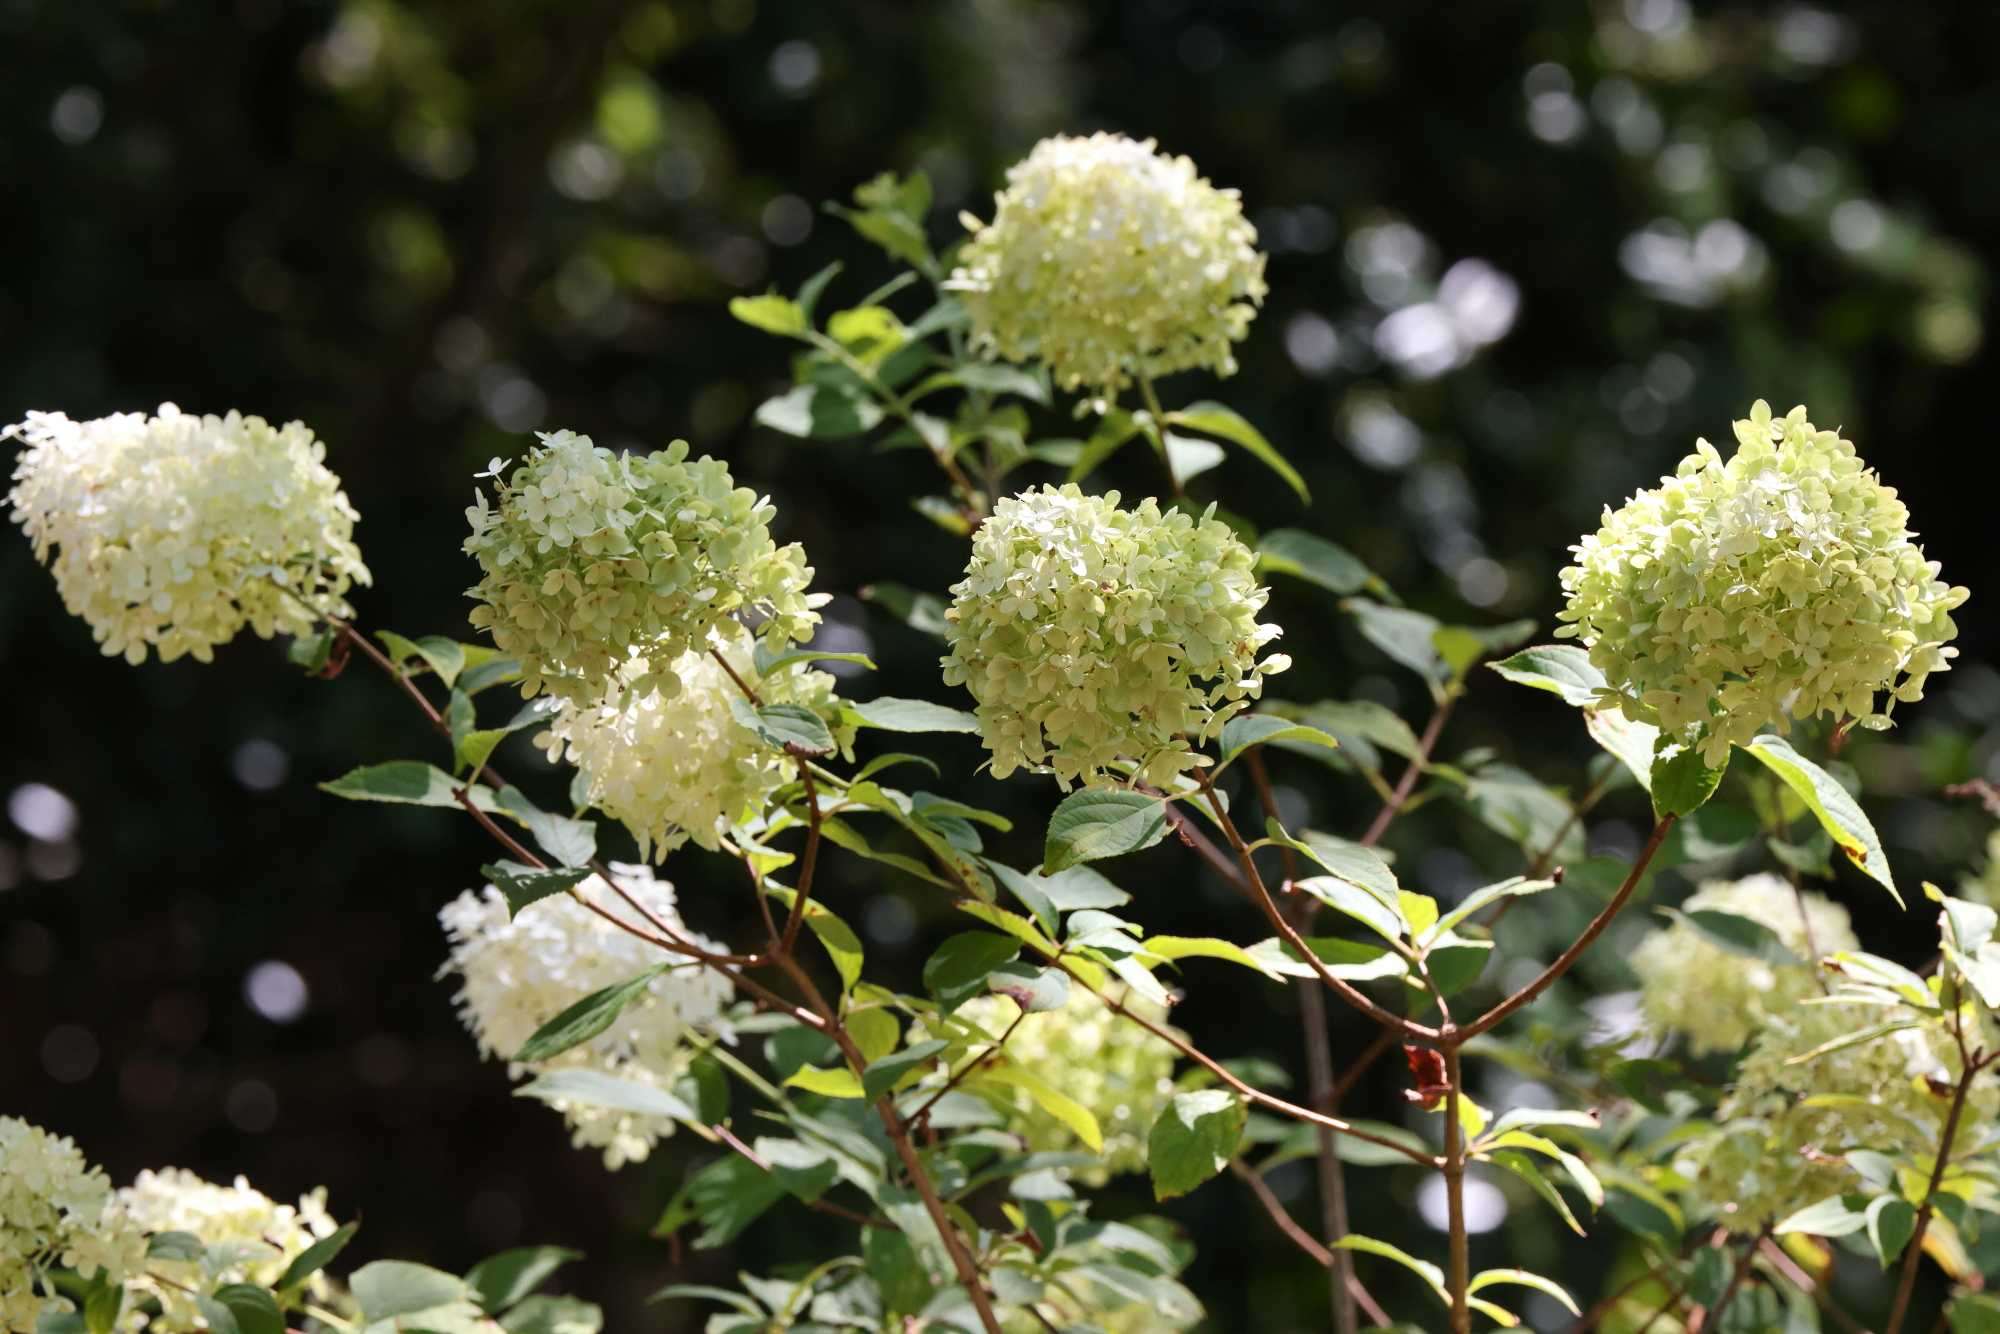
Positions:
{"x": 375, "y": 217}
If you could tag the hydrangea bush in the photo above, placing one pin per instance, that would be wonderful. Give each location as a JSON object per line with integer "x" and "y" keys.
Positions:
{"x": 1775, "y": 1108}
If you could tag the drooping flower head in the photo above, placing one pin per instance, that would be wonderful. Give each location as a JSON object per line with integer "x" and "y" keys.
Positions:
{"x": 1087, "y": 633}
{"x": 590, "y": 559}
{"x": 1117, "y": 1070}
{"x": 1782, "y": 582}
{"x": 260, "y": 1235}
{"x": 175, "y": 531}
{"x": 1782, "y": 1129}
{"x": 1111, "y": 262}
{"x": 516, "y": 975}
{"x": 1717, "y": 997}
{"x": 55, "y": 1210}
{"x": 681, "y": 766}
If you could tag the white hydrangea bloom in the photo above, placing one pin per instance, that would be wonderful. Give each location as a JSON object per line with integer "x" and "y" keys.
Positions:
{"x": 1783, "y": 582}
{"x": 55, "y": 1210}
{"x": 1110, "y": 261}
{"x": 590, "y": 559}
{"x": 516, "y": 975}
{"x": 1718, "y": 997}
{"x": 1087, "y": 634}
{"x": 175, "y": 531}
{"x": 679, "y": 766}
{"x": 1117, "y": 1070}
{"x": 265, "y": 1237}
{"x": 1776, "y": 1147}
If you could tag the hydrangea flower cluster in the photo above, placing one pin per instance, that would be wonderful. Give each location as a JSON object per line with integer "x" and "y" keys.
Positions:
{"x": 1781, "y": 582}
{"x": 590, "y": 559}
{"x": 55, "y": 1209}
{"x": 675, "y": 767}
{"x": 1717, "y": 997}
{"x": 263, "y": 1235}
{"x": 1088, "y": 634}
{"x": 1117, "y": 1070}
{"x": 1780, "y": 1132}
{"x": 1110, "y": 261}
{"x": 173, "y": 532}
{"x": 517, "y": 974}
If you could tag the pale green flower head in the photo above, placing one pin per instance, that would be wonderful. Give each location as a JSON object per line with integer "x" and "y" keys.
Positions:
{"x": 55, "y": 1209}
{"x": 1781, "y": 583}
{"x": 1717, "y": 997}
{"x": 1097, "y": 641}
{"x": 1781, "y": 1130}
{"x": 173, "y": 532}
{"x": 680, "y": 767}
{"x": 1120, "y": 1072}
{"x": 1111, "y": 262}
{"x": 591, "y": 560}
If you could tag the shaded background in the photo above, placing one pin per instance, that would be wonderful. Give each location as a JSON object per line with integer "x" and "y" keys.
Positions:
{"x": 1519, "y": 260}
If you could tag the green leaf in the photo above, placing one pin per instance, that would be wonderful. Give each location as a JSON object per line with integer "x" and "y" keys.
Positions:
{"x": 587, "y": 1018}
{"x": 835, "y": 935}
{"x": 993, "y": 377}
{"x": 597, "y": 1088}
{"x": 958, "y": 970}
{"x": 390, "y": 1288}
{"x": 1522, "y": 1278}
{"x": 727, "y": 1195}
{"x": 501, "y": 1280}
{"x": 1423, "y": 1269}
{"x": 1071, "y": 1113}
{"x": 885, "y": 1073}
{"x": 524, "y": 885}
{"x": 792, "y": 728}
{"x": 571, "y": 842}
{"x": 1681, "y": 782}
{"x": 1838, "y": 812}
{"x": 255, "y": 1311}
{"x": 1975, "y": 1313}
{"x": 1256, "y": 729}
{"x": 819, "y": 412}
{"x": 1561, "y": 669}
{"x": 892, "y": 1262}
{"x": 772, "y": 313}
{"x": 444, "y": 656}
{"x": 922, "y": 612}
{"x": 1526, "y": 1168}
{"x": 316, "y": 1257}
{"x": 1094, "y": 823}
{"x": 545, "y": 1314}
{"x": 768, "y": 662}
{"x": 310, "y": 652}
{"x": 408, "y": 782}
{"x": 1110, "y": 436}
{"x": 1033, "y": 989}
{"x": 1407, "y": 637}
{"x": 1462, "y": 646}
{"x": 1219, "y": 420}
{"x": 1191, "y": 457}
{"x": 806, "y": 1170}
{"x": 175, "y": 1246}
{"x": 1891, "y": 1222}
{"x": 1835, "y": 1217}
{"x": 1194, "y": 1138}
{"x": 1515, "y": 887}
{"x": 832, "y": 1082}
{"x": 911, "y": 715}
{"x": 1207, "y": 947}
{"x": 1312, "y": 558}
{"x": 875, "y": 1031}
{"x": 1739, "y": 935}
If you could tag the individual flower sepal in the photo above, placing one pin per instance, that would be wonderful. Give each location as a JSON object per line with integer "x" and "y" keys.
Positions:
{"x": 1781, "y": 583}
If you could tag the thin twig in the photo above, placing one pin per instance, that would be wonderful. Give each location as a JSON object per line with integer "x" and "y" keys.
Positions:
{"x": 802, "y": 894}
{"x": 1305, "y": 1241}
{"x": 1408, "y": 782}
{"x": 728, "y": 1137}
{"x": 1736, "y": 1277}
{"x": 1970, "y": 1064}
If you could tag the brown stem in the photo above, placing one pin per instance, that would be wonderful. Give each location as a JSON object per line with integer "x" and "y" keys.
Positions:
{"x": 749, "y": 692}
{"x": 1774, "y": 1255}
{"x": 1736, "y": 1277}
{"x": 1906, "y": 1286}
{"x": 1305, "y": 1241}
{"x": 1359, "y": 1065}
{"x": 1159, "y": 434}
{"x": 973, "y": 1063}
{"x": 802, "y": 895}
{"x": 1459, "y": 1277}
{"x": 1408, "y": 782}
{"x": 1262, "y": 896}
{"x": 1320, "y": 1089}
{"x": 1568, "y": 957}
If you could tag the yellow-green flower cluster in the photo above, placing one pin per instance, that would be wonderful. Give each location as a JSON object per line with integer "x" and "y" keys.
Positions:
{"x": 261, "y": 1235}
{"x": 592, "y": 559}
{"x": 173, "y": 532}
{"x": 1091, "y": 635}
{"x": 1122, "y": 1074}
{"x": 1783, "y": 581}
{"x": 1781, "y": 1130}
{"x": 1111, "y": 262}
{"x": 1717, "y": 997}
{"x": 55, "y": 1210}
{"x": 679, "y": 767}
